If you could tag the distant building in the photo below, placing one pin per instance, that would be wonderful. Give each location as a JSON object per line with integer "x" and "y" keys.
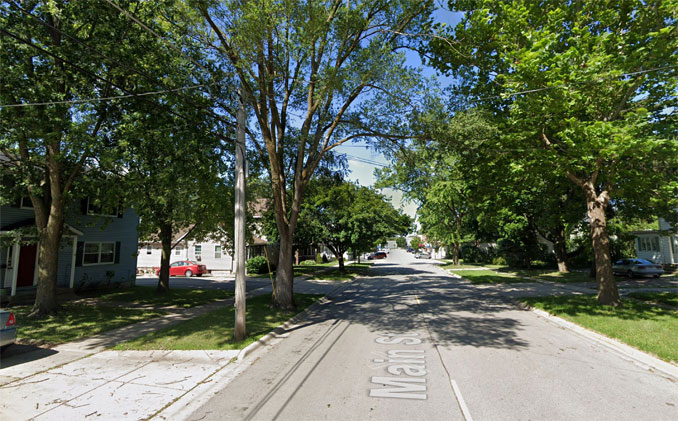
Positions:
{"x": 659, "y": 246}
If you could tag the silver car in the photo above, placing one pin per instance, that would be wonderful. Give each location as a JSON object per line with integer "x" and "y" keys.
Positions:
{"x": 422, "y": 255}
{"x": 637, "y": 267}
{"x": 7, "y": 329}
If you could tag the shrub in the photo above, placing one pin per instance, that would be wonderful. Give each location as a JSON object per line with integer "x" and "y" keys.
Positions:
{"x": 499, "y": 261}
{"x": 257, "y": 264}
{"x": 307, "y": 263}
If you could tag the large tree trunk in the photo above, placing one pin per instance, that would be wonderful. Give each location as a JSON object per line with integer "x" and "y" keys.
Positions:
{"x": 48, "y": 253}
{"x": 340, "y": 258}
{"x": 283, "y": 296}
{"x": 607, "y": 287}
{"x": 166, "y": 242}
{"x": 560, "y": 250}
{"x": 455, "y": 252}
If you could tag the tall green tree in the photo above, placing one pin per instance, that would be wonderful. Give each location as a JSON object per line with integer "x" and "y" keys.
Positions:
{"x": 588, "y": 87}
{"x": 61, "y": 61}
{"x": 333, "y": 70}
{"x": 350, "y": 217}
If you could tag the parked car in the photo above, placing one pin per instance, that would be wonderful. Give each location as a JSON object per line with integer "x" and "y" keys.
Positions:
{"x": 410, "y": 250}
{"x": 637, "y": 267}
{"x": 185, "y": 268}
{"x": 7, "y": 329}
{"x": 377, "y": 255}
{"x": 422, "y": 255}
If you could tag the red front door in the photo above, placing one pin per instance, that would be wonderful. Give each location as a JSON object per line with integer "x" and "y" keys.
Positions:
{"x": 26, "y": 268}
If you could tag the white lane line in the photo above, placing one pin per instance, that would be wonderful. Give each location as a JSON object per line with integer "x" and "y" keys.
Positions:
{"x": 460, "y": 399}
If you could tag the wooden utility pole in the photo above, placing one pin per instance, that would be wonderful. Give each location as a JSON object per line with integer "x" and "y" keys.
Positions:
{"x": 240, "y": 164}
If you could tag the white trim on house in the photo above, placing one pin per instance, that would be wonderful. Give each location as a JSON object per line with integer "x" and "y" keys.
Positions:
{"x": 15, "y": 266}
{"x": 71, "y": 282}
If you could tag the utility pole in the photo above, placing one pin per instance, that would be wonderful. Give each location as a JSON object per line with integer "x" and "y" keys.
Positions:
{"x": 240, "y": 164}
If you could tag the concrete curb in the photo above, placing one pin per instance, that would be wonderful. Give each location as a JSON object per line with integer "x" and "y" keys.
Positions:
{"x": 639, "y": 358}
{"x": 291, "y": 322}
{"x": 184, "y": 406}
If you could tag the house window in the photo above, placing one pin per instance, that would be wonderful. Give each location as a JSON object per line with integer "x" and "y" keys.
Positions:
{"x": 198, "y": 252}
{"x": 674, "y": 244}
{"x": 178, "y": 250}
{"x": 648, "y": 243}
{"x": 98, "y": 253}
{"x": 149, "y": 249}
{"x": 217, "y": 252}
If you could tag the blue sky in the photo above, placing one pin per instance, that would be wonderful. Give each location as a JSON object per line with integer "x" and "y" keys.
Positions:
{"x": 357, "y": 154}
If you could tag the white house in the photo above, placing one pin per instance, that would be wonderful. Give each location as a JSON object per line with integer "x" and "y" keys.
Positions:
{"x": 659, "y": 246}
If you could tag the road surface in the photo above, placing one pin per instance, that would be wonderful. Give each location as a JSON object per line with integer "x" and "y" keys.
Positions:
{"x": 413, "y": 343}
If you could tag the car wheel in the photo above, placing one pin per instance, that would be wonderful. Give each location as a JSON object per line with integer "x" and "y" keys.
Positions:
{"x": 655, "y": 276}
{"x": 629, "y": 274}
{"x": 188, "y": 273}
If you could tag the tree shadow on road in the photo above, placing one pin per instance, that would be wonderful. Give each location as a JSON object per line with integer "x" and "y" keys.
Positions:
{"x": 454, "y": 312}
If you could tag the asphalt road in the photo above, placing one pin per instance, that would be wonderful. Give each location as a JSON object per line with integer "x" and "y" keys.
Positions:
{"x": 411, "y": 343}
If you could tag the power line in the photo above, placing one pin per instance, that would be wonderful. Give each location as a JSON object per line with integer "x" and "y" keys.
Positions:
{"x": 364, "y": 160}
{"x": 87, "y": 72}
{"x": 108, "y": 98}
{"x": 117, "y": 62}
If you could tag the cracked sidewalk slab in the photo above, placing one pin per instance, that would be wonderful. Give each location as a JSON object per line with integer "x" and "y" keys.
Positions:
{"x": 111, "y": 384}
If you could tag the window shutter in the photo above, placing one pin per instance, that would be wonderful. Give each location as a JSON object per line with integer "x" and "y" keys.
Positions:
{"x": 117, "y": 252}
{"x": 83, "y": 205}
{"x": 78, "y": 253}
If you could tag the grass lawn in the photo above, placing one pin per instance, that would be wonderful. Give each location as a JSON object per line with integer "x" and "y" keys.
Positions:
{"x": 75, "y": 321}
{"x": 177, "y": 297}
{"x": 666, "y": 298}
{"x": 450, "y": 265}
{"x": 489, "y": 277}
{"x": 644, "y": 326}
{"x": 214, "y": 330}
{"x": 551, "y": 275}
{"x": 350, "y": 272}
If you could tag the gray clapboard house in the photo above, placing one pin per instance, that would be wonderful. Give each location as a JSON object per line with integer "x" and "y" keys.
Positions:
{"x": 97, "y": 249}
{"x": 659, "y": 246}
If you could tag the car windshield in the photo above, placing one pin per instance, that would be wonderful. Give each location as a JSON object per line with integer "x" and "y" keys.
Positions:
{"x": 642, "y": 262}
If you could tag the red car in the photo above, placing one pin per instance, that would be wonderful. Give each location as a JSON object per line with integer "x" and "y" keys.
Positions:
{"x": 377, "y": 255}
{"x": 185, "y": 268}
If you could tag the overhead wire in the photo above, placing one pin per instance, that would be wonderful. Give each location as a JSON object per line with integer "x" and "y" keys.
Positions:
{"x": 121, "y": 65}
{"x": 140, "y": 96}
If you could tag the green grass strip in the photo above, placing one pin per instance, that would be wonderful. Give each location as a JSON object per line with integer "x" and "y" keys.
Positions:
{"x": 76, "y": 321}
{"x": 177, "y": 297}
{"x": 489, "y": 277}
{"x": 644, "y": 326}
{"x": 214, "y": 330}
{"x": 666, "y": 298}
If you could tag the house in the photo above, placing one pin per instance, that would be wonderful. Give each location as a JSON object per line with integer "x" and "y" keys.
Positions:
{"x": 659, "y": 246}
{"x": 210, "y": 252}
{"x": 97, "y": 248}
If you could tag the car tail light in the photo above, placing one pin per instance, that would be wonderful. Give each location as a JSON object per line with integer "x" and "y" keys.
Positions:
{"x": 11, "y": 321}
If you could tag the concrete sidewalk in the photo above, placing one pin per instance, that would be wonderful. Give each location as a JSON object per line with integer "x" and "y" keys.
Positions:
{"x": 83, "y": 379}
